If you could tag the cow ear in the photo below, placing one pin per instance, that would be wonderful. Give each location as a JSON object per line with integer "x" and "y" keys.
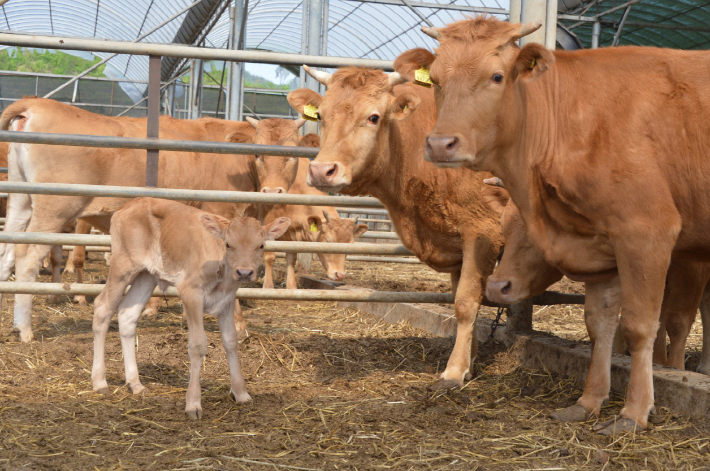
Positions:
{"x": 302, "y": 97}
{"x": 310, "y": 140}
{"x": 315, "y": 222}
{"x": 277, "y": 228}
{"x": 215, "y": 225}
{"x": 411, "y": 60}
{"x": 404, "y": 105}
{"x": 532, "y": 61}
{"x": 495, "y": 198}
{"x": 243, "y": 136}
{"x": 359, "y": 229}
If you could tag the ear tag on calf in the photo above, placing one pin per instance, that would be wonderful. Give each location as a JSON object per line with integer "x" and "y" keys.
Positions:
{"x": 532, "y": 64}
{"x": 422, "y": 77}
{"x": 314, "y": 228}
{"x": 310, "y": 113}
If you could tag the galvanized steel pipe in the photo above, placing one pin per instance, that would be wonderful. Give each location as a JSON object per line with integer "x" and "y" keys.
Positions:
{"x": 189, "y": 52}
{"x": 364, "y": 295}
{"x": 67, "y": 189}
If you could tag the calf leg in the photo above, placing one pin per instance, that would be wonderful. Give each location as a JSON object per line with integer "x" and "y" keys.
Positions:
{"x": 55, "y": 261}
{"x": 239, "y": 321}
{"x": 197, "y": 348}
{"x": 104, "y": 306}
{"x": 291, "y": 270}
{"x": 704, "y": 366}
{"x": 231, "y": 343}
{"x": 601, "y": 315}
{"x": 79, "y": 257}
{"x": 269, "y": 258}
{"x": 129, "y": 311}
{"x": 151, "y": 309}
{"x": 18, "y": 218}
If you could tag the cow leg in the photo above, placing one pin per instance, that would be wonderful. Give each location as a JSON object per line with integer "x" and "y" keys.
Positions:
{"x": 55, "y": 261}
{"x": 291, "y": 270}
{"x": 79, "y": 258}
{"x": 19, "y": 214}
{"x": 69, "y": 267}
{"x": 704, "y": 366}
{"x": 129, "y": 311}
{"x": 197, "y": 349}
{"x": 230, "y": 342}
{"x": 467, "y": 286}
{"x": 105, "y": 305}
{"x": 151, "y": 309}
{"x": 239, "y": 322}
{"x": 269, "y": 258}
{"x": 601, "y": 315}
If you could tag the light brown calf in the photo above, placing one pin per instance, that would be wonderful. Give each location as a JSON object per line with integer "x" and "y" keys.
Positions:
{"x": 165, "y": 243}
{"x": 304, "y": 219}
{"x": 121, "y": 167}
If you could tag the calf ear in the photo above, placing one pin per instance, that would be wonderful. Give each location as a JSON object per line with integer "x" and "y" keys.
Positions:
{"x": 360, "y": 229}
{"x": 404, "y": 105}
{"x": 315, "y": 221}
{"x": 495, "y": 198}
{"x": 215, "y": 225}
{"x": 243, "y": 136}
{"x": 411, "y": 60}
{"x": 310, "y": 140}
{"x": 277, "y": 228}
{"x": 532, "y": 61}
{"x": 302, "y": 97}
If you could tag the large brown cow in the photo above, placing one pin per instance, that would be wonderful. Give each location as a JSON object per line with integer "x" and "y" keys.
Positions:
{"x": 439, "y": 214}
{"x": 120, "y": 167}
{"x": 603, "y": 151}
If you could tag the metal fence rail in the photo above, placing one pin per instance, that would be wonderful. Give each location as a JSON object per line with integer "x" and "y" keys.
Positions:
{"x": 67, "y": 189}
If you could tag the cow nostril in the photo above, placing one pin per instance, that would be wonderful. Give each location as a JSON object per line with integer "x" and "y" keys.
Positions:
{"x": 506, "y": 288}
{"x": 245, "y": 273}
{"x": 452, "y": 144}
{"x": 332, "y": 171}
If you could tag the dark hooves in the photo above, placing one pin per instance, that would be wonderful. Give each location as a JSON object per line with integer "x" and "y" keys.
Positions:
{"x": 575, "y": 413}
{"x": 617, "y": 426}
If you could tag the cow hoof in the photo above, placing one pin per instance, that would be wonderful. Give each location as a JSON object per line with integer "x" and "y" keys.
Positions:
{"x": 149, "y": 314}
{"x": 704, "y": 369}
{"x": 194, "y": 414}
{"x": 241, "y": 397}
{"x": 617, "y": 426}
{"x": 575, "y": 413}
{"x": 138, "y": 389}
{"x": 26, "y": 335}
{"x": 80, "y": 300}
{"x": 445, "y": 384}
{"x": 103, "y": 390}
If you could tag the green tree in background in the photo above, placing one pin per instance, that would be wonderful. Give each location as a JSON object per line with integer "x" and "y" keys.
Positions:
{"x": 60, "y": 63}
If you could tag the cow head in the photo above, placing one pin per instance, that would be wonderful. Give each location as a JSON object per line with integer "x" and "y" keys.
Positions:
{"x": 338, "y": 230}
{"x": 244, "y": 238}
{"x": 475, "y": 72}
{"x": 355, "y": 117}
{"x": 276, "y": 174}
{"x": 522, "y": 271}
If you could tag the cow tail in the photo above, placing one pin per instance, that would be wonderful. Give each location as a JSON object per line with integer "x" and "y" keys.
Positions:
{"x": 19, "y": 109}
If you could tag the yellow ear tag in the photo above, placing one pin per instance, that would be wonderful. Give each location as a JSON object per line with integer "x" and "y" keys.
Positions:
{"x": 310, "y": 113}
{"x": 422, "y": 77}
{"x": 532, "y": 64}
{"x": 314, "y": 228}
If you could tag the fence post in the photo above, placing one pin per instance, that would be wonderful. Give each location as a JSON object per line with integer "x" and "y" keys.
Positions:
{"x": 519, "y": 317}
{"x": 153, "y": 125}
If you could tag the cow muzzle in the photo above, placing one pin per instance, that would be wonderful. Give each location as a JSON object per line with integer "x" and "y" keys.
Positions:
{"x": 336, "y": 275}
{"x": 327, "y": 176}
{"x": 274, "y": 190}
{"x": 245, "y": 274}
{"x": 501, "y": 291}
{"x": 443, "y": 150}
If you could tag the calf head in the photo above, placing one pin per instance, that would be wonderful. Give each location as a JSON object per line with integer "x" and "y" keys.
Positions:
{"x": 276, "y": 174}
{"x": 475, "y": 71}
{"x": 339, "y": 230}
{"x": 522, "y": 271}
{"x": 244, "y": 238}
{"x": 355, "y": 117}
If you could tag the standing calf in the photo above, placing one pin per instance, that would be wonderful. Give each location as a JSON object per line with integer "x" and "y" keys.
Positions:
{"x": 166, "y": 243}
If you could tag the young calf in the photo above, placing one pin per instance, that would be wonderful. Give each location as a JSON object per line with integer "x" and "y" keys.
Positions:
{"x": 166, "y": 243}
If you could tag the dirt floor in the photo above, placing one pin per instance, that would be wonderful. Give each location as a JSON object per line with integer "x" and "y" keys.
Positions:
{"x": 333, "y": 389}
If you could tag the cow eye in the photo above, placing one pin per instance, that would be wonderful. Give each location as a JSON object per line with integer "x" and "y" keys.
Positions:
{"x": 261, "y": 247}
{"x": 374, "y": 118}
{"x": 497, "y": 78}
{"x": 228, "y": 245}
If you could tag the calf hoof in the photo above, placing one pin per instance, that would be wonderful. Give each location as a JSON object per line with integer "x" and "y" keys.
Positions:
{"x": 195, "y": 413}
{"x": 138, "y": 389}
{"x": 575, "y": 413}
{"x": 102, "y": 390}
{"x": 241, "y": 327}
{"x": 617, "y": 426}
{"x": 53, "y": 299}
{"x": 241, "y": 397}
{"x": 80, "y": 300}
{"x": 68, "y": 269}
{"x": 444, "y": 384}
{"x": 704, "y": 369}
{"x": 25, "y": 334}
{"x": 149, "y": 313}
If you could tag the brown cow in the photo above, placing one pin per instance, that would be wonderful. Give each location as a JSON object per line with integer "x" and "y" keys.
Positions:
{"x": 603, "y": 151}
{"x": 120, "y": 167}
{"x": 160, "y": 242}
{"x": 308, "y": 225}
{"x": 439, "y": 214}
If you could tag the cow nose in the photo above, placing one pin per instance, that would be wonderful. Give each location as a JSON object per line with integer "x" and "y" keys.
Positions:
{"x": 245, "y": 274}
{"x": 442, "y": 148}
{"x": 338, "y": 276}
{"x": 322, "y": 172}
{"x": 496, "y": 290}
{"x": 277, "y": 189}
